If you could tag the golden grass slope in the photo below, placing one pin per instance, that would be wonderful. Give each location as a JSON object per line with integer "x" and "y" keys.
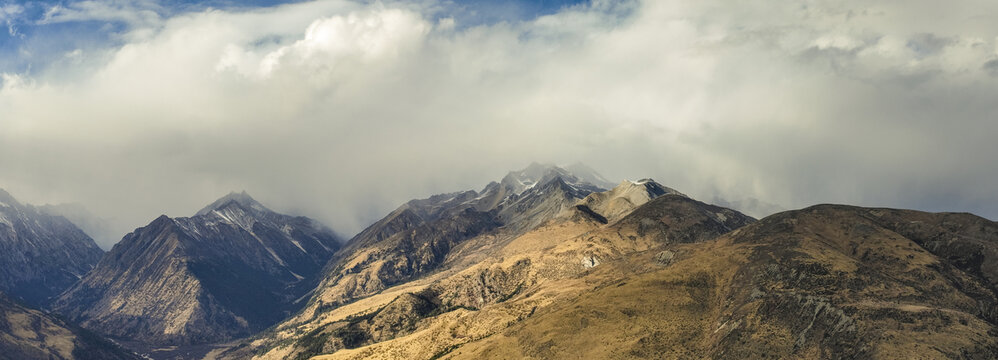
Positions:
{"x": 27, "y": 333}
{"x": 824, "y": 282}
{"x": 492, "y": 282}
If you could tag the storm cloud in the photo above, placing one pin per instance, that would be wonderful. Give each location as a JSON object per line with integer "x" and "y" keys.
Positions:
{"x": 343, "y": 110}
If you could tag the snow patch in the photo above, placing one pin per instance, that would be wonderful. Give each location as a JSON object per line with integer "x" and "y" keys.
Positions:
{"x": 307, "y": 296}
{"x": 293, "y": 241}
{"x": 274, "y": 254}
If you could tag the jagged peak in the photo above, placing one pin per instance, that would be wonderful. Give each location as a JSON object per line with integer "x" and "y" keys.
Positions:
{"x": 242, "y": 199}
{"x": 537, "y": 174}
{"x": 160, "y": 221}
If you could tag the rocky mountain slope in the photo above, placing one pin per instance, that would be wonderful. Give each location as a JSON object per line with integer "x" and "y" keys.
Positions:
{"x": 677, "y": 278}
{"x": 823, "y": 282}
{"x": 416, "y": 238}
{"x": 40, "y": 254}
{"x": 625, "y": 197}
{"x": 27, "y": 334}
{"x": 479, "y": 279}
{"x": 547, "y": 264}
{"x": 234, "y": 268}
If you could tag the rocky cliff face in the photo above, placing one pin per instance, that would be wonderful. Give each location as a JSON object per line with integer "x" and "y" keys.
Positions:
{"x": 29, "y": 334}
{"x": 233, "y": 269}
{"x": 40, "y": 255}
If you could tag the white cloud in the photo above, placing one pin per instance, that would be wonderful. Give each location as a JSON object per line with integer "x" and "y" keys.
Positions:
{"x": 334, "y": 45}
{"x": 344, "y": 110}
{"x": 135, "y": 13}
{"x": 8, "y": 14}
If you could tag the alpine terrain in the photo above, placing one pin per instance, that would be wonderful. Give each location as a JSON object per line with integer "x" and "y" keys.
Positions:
{"x": 546, "y": 265}
{"x": 548, "y": 262}
{"x": 40, "y": 254}
{"x": 234, "y": 268}
{"x": 440, "y": 272}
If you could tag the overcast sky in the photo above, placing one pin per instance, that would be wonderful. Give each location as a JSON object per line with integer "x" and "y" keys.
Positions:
{"x": 342, "y": 110}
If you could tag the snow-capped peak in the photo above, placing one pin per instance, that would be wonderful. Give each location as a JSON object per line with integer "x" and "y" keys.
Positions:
{"x": 539, "y": 174}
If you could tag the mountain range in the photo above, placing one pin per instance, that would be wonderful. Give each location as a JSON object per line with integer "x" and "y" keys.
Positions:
{"x": 546, "y": 262}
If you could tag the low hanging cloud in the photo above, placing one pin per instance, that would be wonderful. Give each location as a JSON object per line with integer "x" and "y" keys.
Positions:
{"x": 343, "y": 110}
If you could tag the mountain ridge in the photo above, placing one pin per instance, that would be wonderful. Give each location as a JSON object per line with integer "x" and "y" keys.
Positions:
{"x": 233, "y": 269}
{"x": 40, "y": 254}
{"x": 828, "y": 281}
{"x": 489, "y": 271}
{"x": 479, "y": 268}
{"x": 547, "y": 264}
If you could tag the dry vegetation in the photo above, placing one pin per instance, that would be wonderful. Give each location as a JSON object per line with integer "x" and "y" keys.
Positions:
{"x": 663, "y": 282}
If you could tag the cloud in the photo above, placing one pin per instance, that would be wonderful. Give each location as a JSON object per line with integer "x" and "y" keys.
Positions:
{"x": 329, "y": 44}
{"x": 991, "y": 66}
{"x": 135, "y": 13}
{"x": 343, "y": 110}
{"x": 8, "y": 15}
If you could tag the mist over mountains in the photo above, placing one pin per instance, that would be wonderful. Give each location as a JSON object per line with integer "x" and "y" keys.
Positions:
{"x": 868, "y": 103}
{"x": 544, "y": 253}
{"x": 485, "y": 179}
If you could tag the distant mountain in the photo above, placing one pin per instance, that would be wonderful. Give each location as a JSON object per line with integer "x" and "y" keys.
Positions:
{"x": 589, "y": 175}
{"x": 96, "y": 227}
{"x": 234, "y": 268}
{"x": 40, "y": 254}
{"x": 27, "y": 334}
{"x": 751, "y": 206}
